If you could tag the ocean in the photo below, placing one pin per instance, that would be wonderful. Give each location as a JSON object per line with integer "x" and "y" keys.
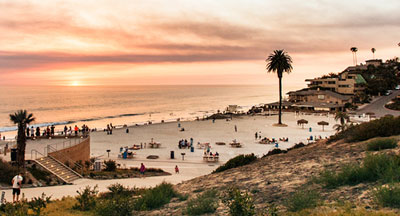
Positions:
{"x": 97, "y": 106}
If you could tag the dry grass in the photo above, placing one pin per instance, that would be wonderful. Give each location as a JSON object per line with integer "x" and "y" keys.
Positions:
{"x": 64, "y": 207}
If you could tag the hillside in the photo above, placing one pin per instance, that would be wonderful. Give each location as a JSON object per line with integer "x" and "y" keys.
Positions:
{"x": 270, "y": 180}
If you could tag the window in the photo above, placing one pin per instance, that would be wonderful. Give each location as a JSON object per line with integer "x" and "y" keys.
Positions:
{"x": 321, "y": 97}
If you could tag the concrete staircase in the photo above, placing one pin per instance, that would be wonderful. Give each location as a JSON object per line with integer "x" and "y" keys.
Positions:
{"x": 59, "y": 169}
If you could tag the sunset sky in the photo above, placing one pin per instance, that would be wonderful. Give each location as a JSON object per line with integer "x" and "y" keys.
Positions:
{"x": 122, "y": 42}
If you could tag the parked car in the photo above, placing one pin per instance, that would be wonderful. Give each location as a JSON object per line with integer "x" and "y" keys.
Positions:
{"x": 388, "y": 92}
{"x": 397, "y": 87}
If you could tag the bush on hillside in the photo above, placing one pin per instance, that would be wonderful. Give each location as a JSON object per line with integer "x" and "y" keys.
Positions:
{"x": 118, "y": 201}
{"x": 118, "y": 190}
{"x": 237, "y": 161}
{"x": 155, "y": 197}
{"x": 302, "y": 199}
{"x": 379, "y": 144}
{"x": 380, "y": 167}
{"x": 205, "y": 203}
{"x": 7, "y": 172}
{"x": 86, "y": 198}
{"x": 239, "y": 203}
{"x": 383, "y": 127}
{"x": 387, "y": 196}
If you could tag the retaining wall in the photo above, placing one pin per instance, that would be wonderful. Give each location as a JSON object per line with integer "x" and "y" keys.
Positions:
{"x": 77, "y": 152}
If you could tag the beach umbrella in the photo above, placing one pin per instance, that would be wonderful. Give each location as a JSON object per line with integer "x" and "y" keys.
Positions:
{"x": 302, "y": 122}
{"x": 323, "y": 123}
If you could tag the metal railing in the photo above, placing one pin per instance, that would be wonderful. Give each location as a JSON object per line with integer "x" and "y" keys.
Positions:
{"x": 65, "y": 144}
{"x": 36, "y": 153}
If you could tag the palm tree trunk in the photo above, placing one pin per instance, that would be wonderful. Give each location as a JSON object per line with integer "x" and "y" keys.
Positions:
{"x": 280, "y": 100}
{"x": 355, "y": 54}
{"x": 21, "y": 144}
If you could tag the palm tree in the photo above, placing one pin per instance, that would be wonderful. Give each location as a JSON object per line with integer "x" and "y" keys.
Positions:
{"x": 21, "y": 118}
{"x": 354, "y": 51}
{"x": 344, "y": 118}
{"x": 373, "y": 53}
{"x": 279, "y": 61}
{"x": 339, "y": 127}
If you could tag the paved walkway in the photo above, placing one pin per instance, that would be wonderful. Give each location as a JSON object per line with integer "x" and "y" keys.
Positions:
{"x": 187, "y": 172}
{"x": 378, "y": 106}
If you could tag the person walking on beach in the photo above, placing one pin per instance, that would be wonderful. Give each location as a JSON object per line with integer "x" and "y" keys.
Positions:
{"x": 27, "y": 131}
{"x": 37, "y": 131}
{"x": 256, "y": 135}
{"x": 176, "y": 169}
{"x": 32, "y": 132}
{"x": 52, "y": 130}
{"x": 48, "y": 131}
{"x": 76, "y": 130}
{"x": 142, "y": 169}
{"x": 235, "y": 128}
{"x": 65, "y": 130}
{"x": 16, "y": 186}
{"x": 5, "y": 149}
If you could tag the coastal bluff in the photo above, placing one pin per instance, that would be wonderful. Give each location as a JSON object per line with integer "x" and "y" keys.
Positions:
{"x": 273, "y": 178}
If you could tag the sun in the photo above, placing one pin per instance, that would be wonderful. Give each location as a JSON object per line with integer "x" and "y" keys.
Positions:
{"x": 75, "y": 83}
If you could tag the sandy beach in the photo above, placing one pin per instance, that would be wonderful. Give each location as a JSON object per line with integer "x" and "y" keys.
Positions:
{"x": 168, "y": 134}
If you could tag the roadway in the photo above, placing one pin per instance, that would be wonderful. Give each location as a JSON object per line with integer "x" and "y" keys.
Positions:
{"x": 378, "y": 106}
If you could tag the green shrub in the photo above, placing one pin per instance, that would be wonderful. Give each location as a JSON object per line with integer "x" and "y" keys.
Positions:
{"x": 118, "y": 201}
{"x": 118, "y": 205}
{"x": 302, "y": 199}
{"x": 205, "y": 203}
{"x": 111, "y": 166}
{"x": 379, "y": 144}
{"x": 38, "y": 203}
{"x": 383, "y": 127}
{"x": 14, "y": 209}
{"x": 387, "y": 196}
{"x": 155, "y": 197}
{"x": 379, "y": 167}
{"x": 237, "y": 161}
{"x": 118, "y": 190}
{"x": 240, "y": 204}
{"x": 86, "y": 198}
{"x": 7, "y": 172}
{"x": 21, "y": 208}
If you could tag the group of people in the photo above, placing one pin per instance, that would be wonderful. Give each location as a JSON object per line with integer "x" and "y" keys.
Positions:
{"x": 185, "y": 144}
{"x": 49, "y": 131}
{"x": 206, "y": 153}
{"x": 32, "y": 132}
{"x": 69, "y": 131}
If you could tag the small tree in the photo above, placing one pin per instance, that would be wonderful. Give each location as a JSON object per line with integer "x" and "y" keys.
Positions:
{"x": 21, "y": 118}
